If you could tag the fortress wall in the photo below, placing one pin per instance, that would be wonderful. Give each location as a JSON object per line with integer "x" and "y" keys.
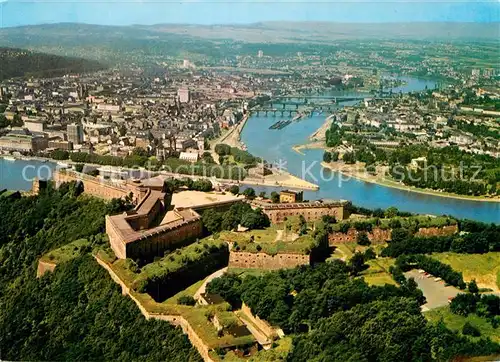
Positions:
{"x": 156, "y": 244}
{"x": 195, "y": 340}
{"x": 263, "y": 325}
{"x": 176, "y": 320}
{"x": 277, "y": 215}
{"x": 378, "y": 235}
{"x": 44, "y": 267}
{"x": 92, "y": 185}
{"x": 238, "y": 259}
{"x": 435, "y": 231}
{"x": 115, "y": 240}
{"x": 338, "y": 237}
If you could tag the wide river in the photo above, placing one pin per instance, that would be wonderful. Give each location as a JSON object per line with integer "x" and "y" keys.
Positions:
{"x": 276, "y": 146}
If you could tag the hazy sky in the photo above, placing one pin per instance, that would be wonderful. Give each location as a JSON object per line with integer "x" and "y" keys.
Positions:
{"x": 115, "y": 12}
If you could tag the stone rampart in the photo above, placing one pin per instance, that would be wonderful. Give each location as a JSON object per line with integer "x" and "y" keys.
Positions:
{"x": 176, "y": 320}
{"x": 240, "y": 259}
{"x": 378, "y": 235}
{"x": 263, "y": 325}
{"x": 435, "y": 231}
{"x": 311, "y": 211}
{"x": 93, "y": 186}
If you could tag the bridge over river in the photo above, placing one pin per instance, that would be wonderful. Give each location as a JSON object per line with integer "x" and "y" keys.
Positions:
{"x": 290, "y": 105}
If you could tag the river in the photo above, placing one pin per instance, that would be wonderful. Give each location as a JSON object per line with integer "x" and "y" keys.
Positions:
{"x": 19, "y": 174}
{"x": 276, "y": 146}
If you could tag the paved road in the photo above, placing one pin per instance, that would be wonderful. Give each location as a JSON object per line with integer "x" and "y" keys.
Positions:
{"x": 211, "y": 277}
{"x": 436, "y": 293}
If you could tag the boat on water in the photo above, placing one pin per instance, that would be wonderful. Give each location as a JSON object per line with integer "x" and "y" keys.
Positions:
{"x": 9, "y": 158}
{"x": 284, "y": 124}
{"x": 276, "y": 124}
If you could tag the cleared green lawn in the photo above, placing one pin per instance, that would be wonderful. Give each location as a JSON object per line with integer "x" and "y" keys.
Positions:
{"x": 379, "y": 279}
{"x": 485, "y": 268}
{"x": 66, "y": 252}
{"x": 456, "y": 322}
{"x": 378, "y": 272}
{"x": 277, "y": 353}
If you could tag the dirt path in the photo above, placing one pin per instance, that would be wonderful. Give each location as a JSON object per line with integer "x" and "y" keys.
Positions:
{"x": 211, "y": 277}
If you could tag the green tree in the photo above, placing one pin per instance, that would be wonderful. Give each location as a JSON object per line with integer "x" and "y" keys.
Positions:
{"x": 327, "y": 157}
{"x": 357, "y": 263}
{"x": 186, "y": 300}
{"x": 222, "y": 149}
{"x": 349, "y": 158}
{"x": 249, "y": 193}
{"x": 391, "y": 212}
{"x": 362, "y": 239}
{"x": 473, "y": 287}
{"x": 469, "y": 330}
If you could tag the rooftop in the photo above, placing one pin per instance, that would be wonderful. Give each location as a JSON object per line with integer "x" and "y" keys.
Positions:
{"x": 198, "y": 199}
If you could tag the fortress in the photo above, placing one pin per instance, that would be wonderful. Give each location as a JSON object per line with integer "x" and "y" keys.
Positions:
{"x": 159, "y": 221}
{"x": 378, "y": 235}
{"x": 310, "y": 210}
{"x": 239, "y": 259}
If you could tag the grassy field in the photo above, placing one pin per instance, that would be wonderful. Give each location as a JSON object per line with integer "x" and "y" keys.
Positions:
{"x": 66, "y": 252}
{"x": 377, "y": 273}
{"x": 243, "y": 272}
{"x": 456, "y": 322}
{"x": 485, "y": 268}
{"x": 267, "y": 241}
{"x": 277, "y": 353}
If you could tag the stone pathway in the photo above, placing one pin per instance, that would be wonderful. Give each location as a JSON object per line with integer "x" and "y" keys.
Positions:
{"x": 211, "y": 277}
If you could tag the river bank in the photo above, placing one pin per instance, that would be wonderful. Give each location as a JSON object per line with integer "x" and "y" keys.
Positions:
{"x": 277, "y": 179}
{"x": 25, "y": 169}
{"x": 358, "y": 172}
{"x": 233, "y": 137}
{"x": 320, "y": 133}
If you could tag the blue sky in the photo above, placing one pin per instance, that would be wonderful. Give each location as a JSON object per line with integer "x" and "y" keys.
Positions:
{"x": 116, "y": 12}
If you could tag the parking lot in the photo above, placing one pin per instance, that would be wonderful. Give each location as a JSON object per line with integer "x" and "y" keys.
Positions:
{"x": 434, "y": 289}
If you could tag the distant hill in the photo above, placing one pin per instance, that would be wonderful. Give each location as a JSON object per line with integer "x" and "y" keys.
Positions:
{"x": 327, "y": 32}
{"x": 20, "y": 63}
{"x": 147, "y": 43}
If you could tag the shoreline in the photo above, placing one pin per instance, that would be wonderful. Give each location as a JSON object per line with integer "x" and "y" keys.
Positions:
{"x": 390, "y": 184}
{"x": 320, "y": 133}
{"x": 282, "y": 179}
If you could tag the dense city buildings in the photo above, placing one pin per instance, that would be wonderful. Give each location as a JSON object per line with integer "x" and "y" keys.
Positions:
{"x": 75, "y": 133}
